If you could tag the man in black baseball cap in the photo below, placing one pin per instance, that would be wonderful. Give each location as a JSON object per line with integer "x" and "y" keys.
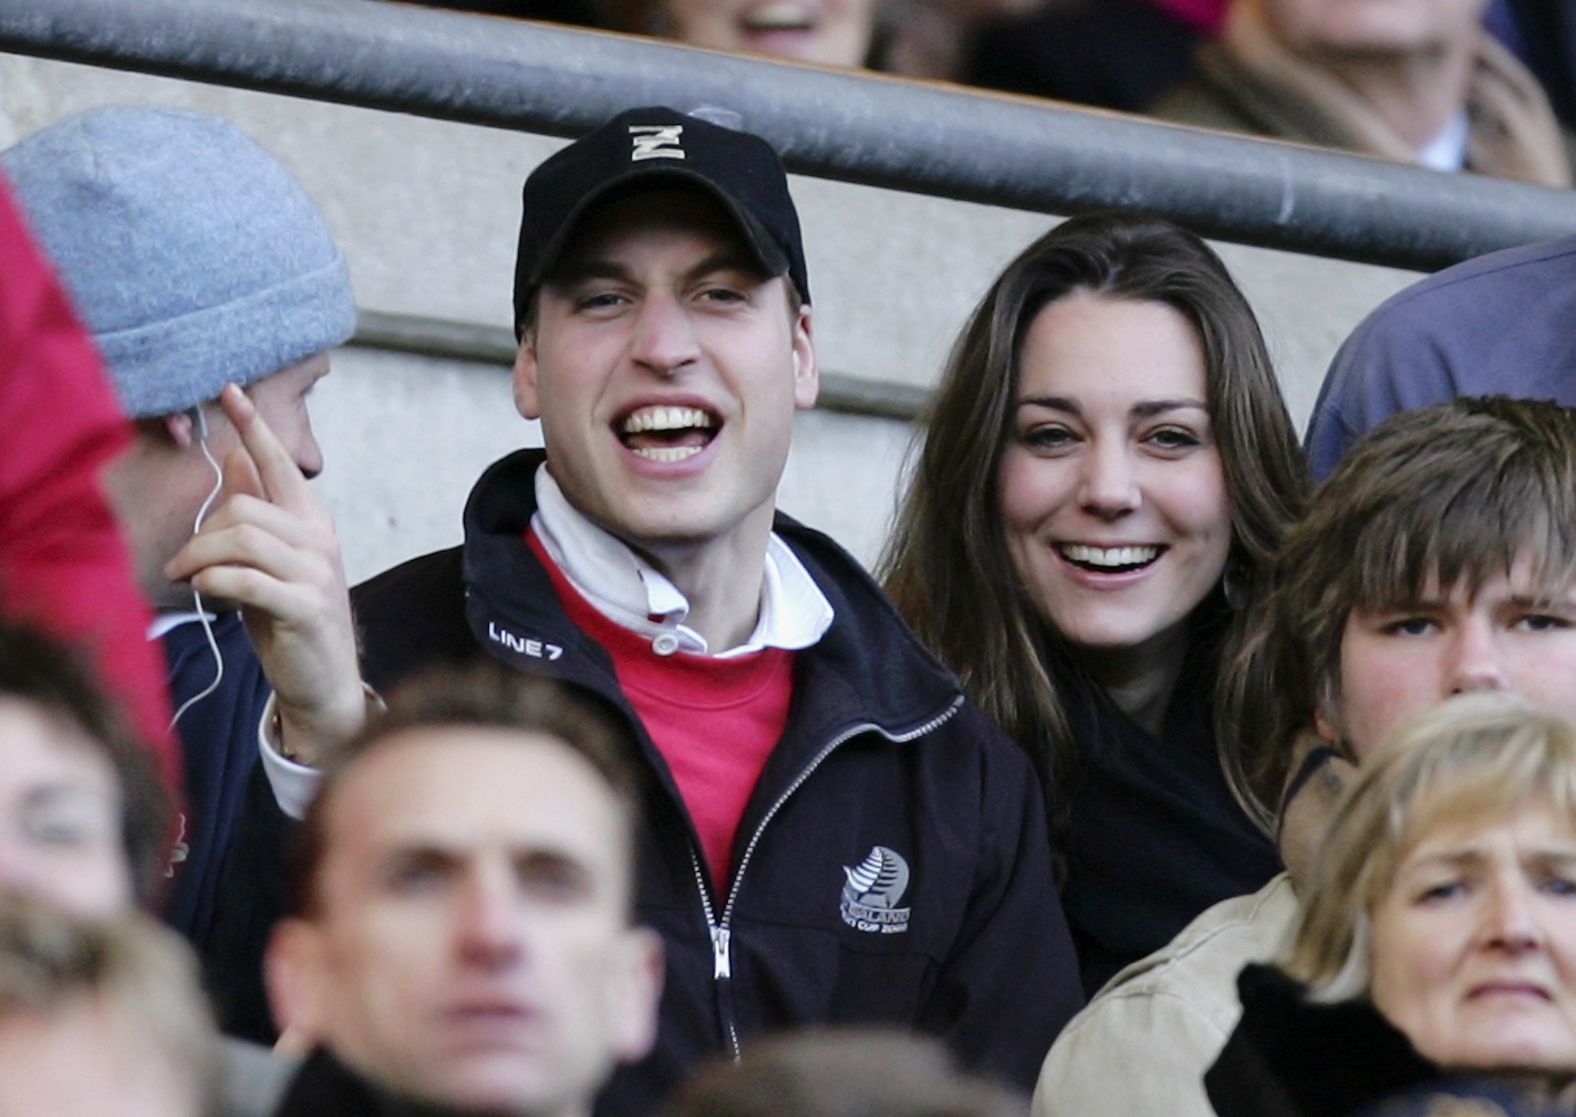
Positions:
{"x": 833, "y": 834}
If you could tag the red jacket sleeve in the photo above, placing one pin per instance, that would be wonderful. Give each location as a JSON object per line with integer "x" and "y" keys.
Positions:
{"x": 64, "y": 565}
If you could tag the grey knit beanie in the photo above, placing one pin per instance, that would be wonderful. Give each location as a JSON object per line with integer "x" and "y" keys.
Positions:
{"x": 193, "y": 256}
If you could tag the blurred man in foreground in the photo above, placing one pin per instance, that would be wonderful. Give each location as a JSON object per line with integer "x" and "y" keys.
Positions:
{"x": 463, "y": 934}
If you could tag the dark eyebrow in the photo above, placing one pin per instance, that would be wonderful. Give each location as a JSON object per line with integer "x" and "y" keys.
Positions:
{"x": 1151, "y": 407}
{"x": 431, "y": 854}
{"x": 1052, "y": 403}
{"x": 728, "y": 260}
{"x": 579, "y": 270}
{"x": 1144, "y": 409}
{"x": 1542, "y": 600}
{"x": 533, "y": 859}
{"x": 574, "y": 271}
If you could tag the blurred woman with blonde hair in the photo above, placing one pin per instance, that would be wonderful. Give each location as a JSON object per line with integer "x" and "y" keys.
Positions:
{"x": 1438, "y": 932}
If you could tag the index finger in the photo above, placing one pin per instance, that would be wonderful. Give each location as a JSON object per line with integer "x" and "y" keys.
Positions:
{"x": 283, "y": 482}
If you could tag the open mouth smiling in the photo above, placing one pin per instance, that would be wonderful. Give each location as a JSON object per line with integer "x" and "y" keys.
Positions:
{"x": 1109, "y": 560}
{"x": 667, "y": 434}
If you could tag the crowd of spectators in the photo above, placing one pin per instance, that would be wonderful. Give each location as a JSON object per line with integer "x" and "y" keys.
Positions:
{"x": 644, "y": 793}
{"x": 1481, "y": 85}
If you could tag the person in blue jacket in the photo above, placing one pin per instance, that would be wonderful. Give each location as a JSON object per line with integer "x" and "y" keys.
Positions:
{"x": 1492, "y": 325}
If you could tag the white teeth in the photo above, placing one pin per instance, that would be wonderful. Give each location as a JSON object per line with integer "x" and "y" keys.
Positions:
{"x": 1109, "y": 556}
{"x": 666, "y": 419}
{"x": 668, "y": 453}
{"x": 782, "y": 16}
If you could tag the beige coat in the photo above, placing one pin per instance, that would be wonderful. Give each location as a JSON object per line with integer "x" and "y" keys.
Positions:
{"x": 1142, "y": 1045}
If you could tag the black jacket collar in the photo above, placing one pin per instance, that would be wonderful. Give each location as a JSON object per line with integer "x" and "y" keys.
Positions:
{"x": 326, "y": 1087}
{"x": 880, "y": 673}
{"x": 1290, "y": 1056}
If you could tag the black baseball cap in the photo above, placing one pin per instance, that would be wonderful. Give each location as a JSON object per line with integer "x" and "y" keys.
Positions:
{"x": 647, "y": 147}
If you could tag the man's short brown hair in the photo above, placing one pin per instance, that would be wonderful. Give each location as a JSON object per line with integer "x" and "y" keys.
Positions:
{"x": 482, "y": 695}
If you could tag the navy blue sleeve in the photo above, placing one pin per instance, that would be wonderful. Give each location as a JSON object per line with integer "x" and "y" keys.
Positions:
{"x": 218, "y": 749}
{"x": 253, "y": 895}
{"x": 228, "y": 886}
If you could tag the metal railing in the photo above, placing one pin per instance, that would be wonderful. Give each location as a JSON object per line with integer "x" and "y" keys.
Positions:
{"x": 902, "y": 135}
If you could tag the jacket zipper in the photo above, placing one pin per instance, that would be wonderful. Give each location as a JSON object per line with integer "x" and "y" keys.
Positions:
{"x": 721, "y": 932}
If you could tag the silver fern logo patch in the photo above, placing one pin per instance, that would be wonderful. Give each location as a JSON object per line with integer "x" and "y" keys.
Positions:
{"x": 872, "y": 892}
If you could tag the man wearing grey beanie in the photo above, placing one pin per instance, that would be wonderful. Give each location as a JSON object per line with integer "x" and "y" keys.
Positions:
{"x": 198, "y": 263}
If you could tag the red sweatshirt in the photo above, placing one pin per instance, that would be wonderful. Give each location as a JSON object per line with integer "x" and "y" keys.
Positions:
{"x": 715, "y": 721}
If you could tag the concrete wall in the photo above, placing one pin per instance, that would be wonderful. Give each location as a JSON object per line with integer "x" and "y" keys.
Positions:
{"x": 428, "y": 213}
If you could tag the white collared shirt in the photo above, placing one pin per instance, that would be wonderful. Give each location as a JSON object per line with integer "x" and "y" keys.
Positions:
{"x": 633, "y": 594}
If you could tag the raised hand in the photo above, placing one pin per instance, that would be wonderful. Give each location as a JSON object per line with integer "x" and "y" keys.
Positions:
{"x": 270, "y": 547}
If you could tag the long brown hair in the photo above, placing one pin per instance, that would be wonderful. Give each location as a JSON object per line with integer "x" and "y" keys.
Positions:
{"x": 946, "y": 564}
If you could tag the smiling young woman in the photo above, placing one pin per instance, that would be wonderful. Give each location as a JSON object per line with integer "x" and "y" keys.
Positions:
{"x": 1106, "y": 468}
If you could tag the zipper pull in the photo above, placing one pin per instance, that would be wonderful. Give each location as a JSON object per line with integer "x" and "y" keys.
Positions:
{"x": 722, "y": 963}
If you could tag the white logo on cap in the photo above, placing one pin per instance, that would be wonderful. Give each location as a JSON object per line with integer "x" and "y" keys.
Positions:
{"x": 656, "y": 141}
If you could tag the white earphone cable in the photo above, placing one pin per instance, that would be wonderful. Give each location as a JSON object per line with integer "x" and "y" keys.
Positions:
{"x": 202, "y": 615}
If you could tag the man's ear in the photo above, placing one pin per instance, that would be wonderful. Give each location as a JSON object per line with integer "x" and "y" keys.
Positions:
{"x": 636, "y": 993}
{"x": 294, "y": 970}
{"x": 526, "y": 401}
{"x": 806, "y": 374}
{"x": 181, "y": 429}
